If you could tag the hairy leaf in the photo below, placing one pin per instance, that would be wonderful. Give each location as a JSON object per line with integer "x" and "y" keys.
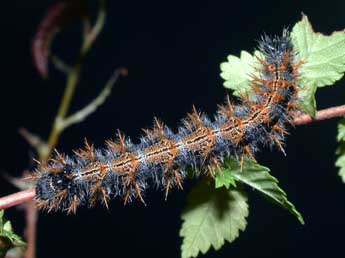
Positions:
{"x": 259, "y": 178}
{"x": 212, "y": 217}
{"x": 324, "y": 58}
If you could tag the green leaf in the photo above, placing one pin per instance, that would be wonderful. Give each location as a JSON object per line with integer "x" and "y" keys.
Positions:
{"x": 212, "y": 217}
{"x": 7, "y": 226}
{"x": 324, "y": 58}
{"x": 236, "y": 72}
{"x": 8, "y": 239}
{"x": 224, "y": 178}
{"x": 307, "y": 100}
{"x": 340, "y": 162}
{"x": 341, "y": 130}
{"x": 259, "y": 178}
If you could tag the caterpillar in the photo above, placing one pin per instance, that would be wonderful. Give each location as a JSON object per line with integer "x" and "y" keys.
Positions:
{"x": 160, "y": 158}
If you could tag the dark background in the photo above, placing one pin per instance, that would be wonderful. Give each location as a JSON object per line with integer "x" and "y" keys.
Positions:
{"x": 172, "y": 51}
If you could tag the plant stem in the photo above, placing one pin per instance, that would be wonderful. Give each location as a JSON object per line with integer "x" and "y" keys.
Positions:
{"x": 17, "y": 198}
{"x": 320, "y": 115}
{"x": 72, "y": 81}
{"x": 31, "y": 216}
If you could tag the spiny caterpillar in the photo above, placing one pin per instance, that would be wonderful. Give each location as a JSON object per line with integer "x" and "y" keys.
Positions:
{"x": 160, "y": 159}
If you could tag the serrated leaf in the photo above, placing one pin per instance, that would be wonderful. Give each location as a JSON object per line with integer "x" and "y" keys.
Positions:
{"x": 340, "y": 162}
{"x": 212, "y": 217}
{"x": 324, "y": 58}
{"x": 259, "y": 178}
{"x": 236, "y": 72}
{"x": 224, "y": 178}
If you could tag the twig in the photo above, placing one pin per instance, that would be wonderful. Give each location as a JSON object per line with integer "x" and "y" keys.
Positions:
{"x": 31, "y": 216}
{"x": 73, "y": 79}
{"x": 17, "y": 198}
{"x": 27, "y": 195}
{"x": 59, "y": 64}
{"x": 320, "y": 115}
{"x": 83, "y": 113}
{"x": 91, "y": 35}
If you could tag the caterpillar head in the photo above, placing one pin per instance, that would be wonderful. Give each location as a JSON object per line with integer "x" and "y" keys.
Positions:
{"x": 52, "y": 181}
{"x": 50, "y": 185}
{"x": 58, "y": 188}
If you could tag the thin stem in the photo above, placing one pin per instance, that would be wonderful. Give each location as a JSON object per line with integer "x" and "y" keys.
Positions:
{"x": 321, "y": 115}
{"x": 59, "y": 64}
{"x": 72, "y": 81}
{"x": 17, "y": 198}
{"x": 27, "y": 195}
{"x": 31, "y": 216}
{"x": 91, "y": 35}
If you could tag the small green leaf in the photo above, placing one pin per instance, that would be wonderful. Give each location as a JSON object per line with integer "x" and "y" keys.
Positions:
{"x": 8, "y": 239}
{"x": 224, "y": 178}
{"x": 340, "y": 162}
{"x": 324, "y": 58}
{"x": 8, "y": 226}
{"x": 341, "y": 130}
{"x": 236, "y": 72}
{"x": 211, "y": 217}
{"x": 259, "y": 178}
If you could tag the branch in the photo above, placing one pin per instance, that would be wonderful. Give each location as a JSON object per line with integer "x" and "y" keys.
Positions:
{"x": 31, "y": 216}
{"x": 320, "y": 115}
{"x": 17, "y": 198}
{"x": 83, "y": 113}
{"x": 27, "y": 195}
{"x": 73, "y": 78}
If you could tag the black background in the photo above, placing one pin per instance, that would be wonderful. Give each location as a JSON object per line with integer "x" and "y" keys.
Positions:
{"x": 172, "y": 51}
